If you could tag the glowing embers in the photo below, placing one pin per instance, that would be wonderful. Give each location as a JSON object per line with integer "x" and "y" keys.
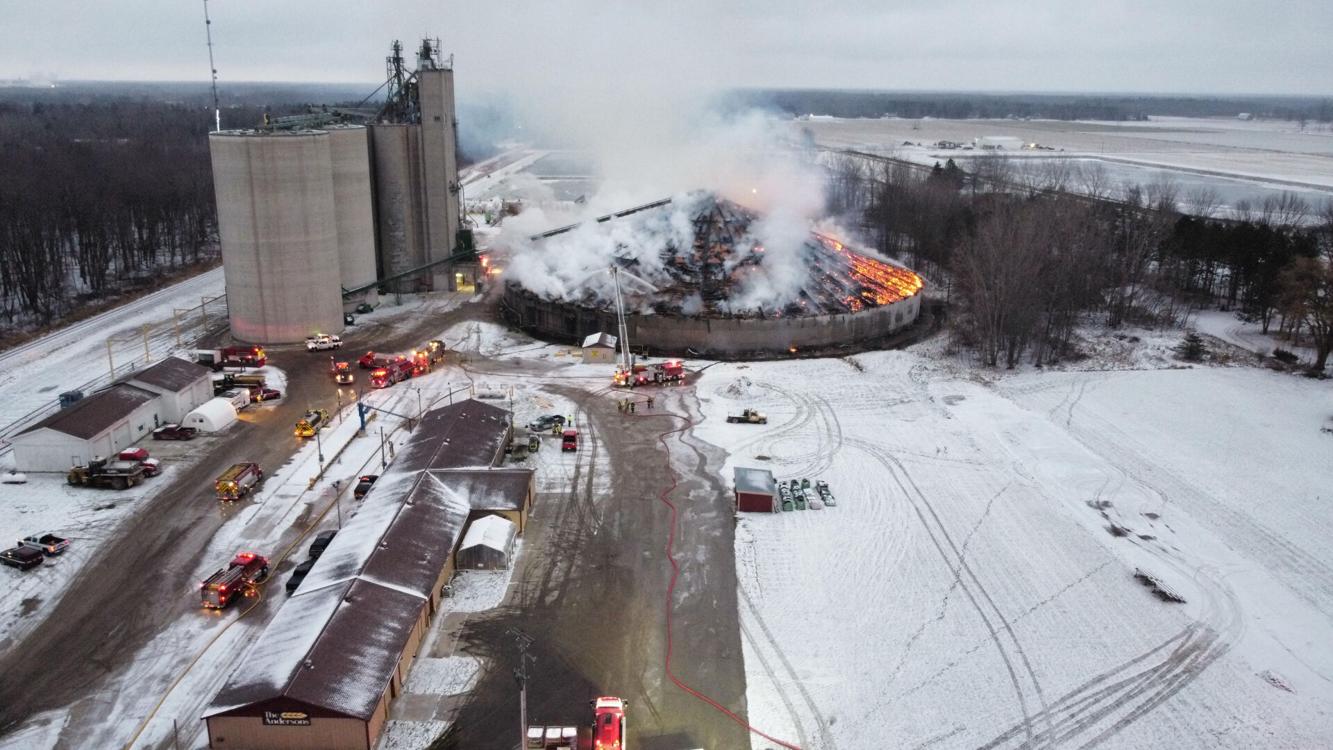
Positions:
{"x": 879, "y": 283}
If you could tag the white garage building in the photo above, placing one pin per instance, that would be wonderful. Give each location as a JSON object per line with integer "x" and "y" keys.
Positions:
{"x": 180, "y": 385}
{"x": 102, "y": 425}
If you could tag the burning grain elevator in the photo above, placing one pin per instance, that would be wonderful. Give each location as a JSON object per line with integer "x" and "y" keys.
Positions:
{"x": 319, "y": 213}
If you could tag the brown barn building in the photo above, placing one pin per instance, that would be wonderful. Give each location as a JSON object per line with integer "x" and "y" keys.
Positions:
{"x": 324, "y": 671}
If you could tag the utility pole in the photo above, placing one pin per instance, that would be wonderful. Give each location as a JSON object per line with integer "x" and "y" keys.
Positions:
{"x": 110, "y": 360}
{"x": 521, "y": 676}
{"x": 147, "y": 357}
{"x": 384, "y": 463}
{"x": 203, "y": 310}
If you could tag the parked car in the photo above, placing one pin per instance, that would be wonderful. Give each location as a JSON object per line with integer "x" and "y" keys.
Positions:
{"x": 544, "y": 424}
{"x": 151, "y": 467}
{"x": 298, "y": 575}
{"x": 13, "y": 476}
{"x": 363, "y": 485}
{"x": 174, "y": 432}
{"x": 321, "y": 543}
{"x": 22, "y": 558}
{"x": 349, "y": 319}
{"x": 369, "y": 361}
{"x": 364, "y": 308}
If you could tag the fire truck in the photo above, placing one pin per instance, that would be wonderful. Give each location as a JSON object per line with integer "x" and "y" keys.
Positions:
{"x": 638, "y": 373}
{"x": 232, "y": 356}
{"x": 244, "y": 571}
{"x": 342, "y": 373}
{"x": 313, "y": 420}
{"x": 238, "y": 481}
{"x": 393, "y": 372}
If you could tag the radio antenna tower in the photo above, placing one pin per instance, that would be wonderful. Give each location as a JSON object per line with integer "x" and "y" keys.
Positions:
{"x": 208, "y": 31}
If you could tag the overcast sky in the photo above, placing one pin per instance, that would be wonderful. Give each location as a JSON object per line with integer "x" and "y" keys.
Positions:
{"x": 1207, "y": 46}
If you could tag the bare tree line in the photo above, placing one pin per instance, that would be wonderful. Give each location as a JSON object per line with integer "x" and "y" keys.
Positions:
{"x": 1026, "y": 262}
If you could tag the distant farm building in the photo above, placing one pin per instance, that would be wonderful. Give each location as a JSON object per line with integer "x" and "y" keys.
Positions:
{"x": 756, "y": 492}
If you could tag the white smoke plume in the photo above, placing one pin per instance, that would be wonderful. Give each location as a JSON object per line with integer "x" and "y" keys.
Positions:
{"x": 742, "y": 158}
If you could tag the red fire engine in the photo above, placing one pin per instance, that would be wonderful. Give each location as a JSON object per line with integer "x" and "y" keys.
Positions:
{"x": 670, "y": 371}
{"x": 393, "y": 372}
{"x": 245, "y": 570}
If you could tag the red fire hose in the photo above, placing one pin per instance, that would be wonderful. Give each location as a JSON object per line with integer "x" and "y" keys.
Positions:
{"x": 665, "y": 497}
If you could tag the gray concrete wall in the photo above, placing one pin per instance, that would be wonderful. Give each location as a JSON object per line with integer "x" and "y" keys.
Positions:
{"x": 717, "y": 337}
{"x": 276, "y": 218}
{"x": 349, "y": 153}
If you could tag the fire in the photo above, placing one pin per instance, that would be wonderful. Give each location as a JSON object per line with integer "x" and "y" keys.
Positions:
{"x": 881, "y": 283}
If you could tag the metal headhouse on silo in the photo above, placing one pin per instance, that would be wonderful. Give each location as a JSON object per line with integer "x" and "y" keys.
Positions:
{"x": 278, "y": 223}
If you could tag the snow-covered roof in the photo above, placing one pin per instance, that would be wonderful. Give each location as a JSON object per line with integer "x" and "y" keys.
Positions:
{"x": 336, "y": 643}
{"x": 97, "y": 413}
{"x": 489, "y": 489}
{"x": 335, "y": 648}
{"x": 171, "y": 374}
{"x": 754, "y": 480}
{"x": 496, "y": 532}
{"x": 600, "y": 339}
{"x": 468, "y": 433}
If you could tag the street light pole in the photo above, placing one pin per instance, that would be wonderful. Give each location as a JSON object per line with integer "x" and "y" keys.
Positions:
{"x": 521, "y": 676}
{"x": 319, "y": 447}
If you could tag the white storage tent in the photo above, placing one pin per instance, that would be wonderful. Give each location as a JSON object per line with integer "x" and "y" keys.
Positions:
{"x": 214, "y": 415}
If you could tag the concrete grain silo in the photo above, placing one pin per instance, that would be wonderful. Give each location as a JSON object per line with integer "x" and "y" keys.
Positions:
{"x": 400, "y": 202}
{"x": 349, "y": 149}
{"x": 279, "y": 231}
{"x": 439, "y": 144}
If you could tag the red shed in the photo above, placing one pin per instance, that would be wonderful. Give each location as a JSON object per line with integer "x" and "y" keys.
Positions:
{"x": 756, "y": 491}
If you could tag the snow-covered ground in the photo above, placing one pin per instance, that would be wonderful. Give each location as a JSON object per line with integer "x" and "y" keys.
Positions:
{"x": 974, "y": 586}
{"x": 1227, "y": 327}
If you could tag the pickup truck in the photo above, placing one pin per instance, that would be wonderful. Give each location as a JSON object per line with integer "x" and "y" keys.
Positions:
{"x": 48, "y": 544}
{"x": 174, "y": 432}
{"x": 322, "y": 342}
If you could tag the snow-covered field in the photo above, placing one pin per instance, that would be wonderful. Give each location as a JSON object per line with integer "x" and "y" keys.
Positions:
{"x": 975, "y": 584}
{"x": 1239, "y": 160}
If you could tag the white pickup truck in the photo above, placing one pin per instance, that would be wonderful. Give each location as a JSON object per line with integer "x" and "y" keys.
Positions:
{"x": 48, "y": 544}
{"x": 322, "y": 342}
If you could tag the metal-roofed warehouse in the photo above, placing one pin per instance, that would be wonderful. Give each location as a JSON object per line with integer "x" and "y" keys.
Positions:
{"x": 325, "y": 669}
{"x": 102, "y": 424}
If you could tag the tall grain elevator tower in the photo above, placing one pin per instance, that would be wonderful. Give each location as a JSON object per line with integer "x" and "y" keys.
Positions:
{"x": 415, "y": 143}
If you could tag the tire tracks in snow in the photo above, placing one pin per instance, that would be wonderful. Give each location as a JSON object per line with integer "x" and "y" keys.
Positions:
{"x": 1000, "y": 629}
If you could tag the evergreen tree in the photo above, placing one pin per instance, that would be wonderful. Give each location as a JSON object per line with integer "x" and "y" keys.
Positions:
{"x": 1191, "y": 348}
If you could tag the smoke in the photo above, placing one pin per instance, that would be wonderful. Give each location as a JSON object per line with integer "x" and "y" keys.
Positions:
{"x": 743, "y": 158}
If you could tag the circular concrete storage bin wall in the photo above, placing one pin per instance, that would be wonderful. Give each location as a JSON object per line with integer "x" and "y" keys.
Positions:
{"x": 718, "y": 337}
{"x": 349, "y": 151}
{"x": 276, "y": 218}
